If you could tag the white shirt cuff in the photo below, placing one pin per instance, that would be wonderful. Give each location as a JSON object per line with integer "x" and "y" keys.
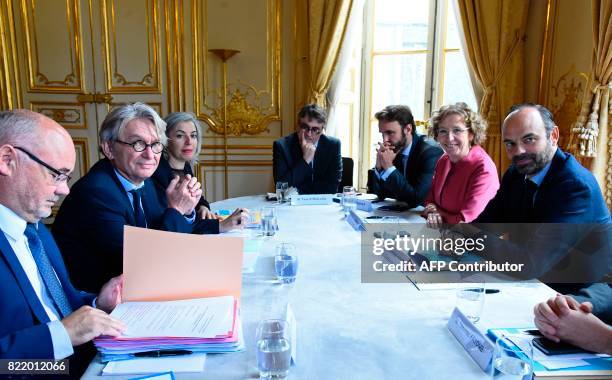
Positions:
{"x": 191, "y": 217}
{"x": 384, "y": 175}
{"x": 62, "y": 346}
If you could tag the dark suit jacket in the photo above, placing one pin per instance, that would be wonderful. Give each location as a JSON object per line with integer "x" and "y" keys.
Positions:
{"x": 162, "y": 177}
{"x": 164, "y": 174}
{"x": 568, "y": 194}
{"x": 289, "y": 166}
{"x": 89, "y": 225}
{"x": 23, "y": 330}
{"x": 568, "y": 237}
{"x": 412, "y": 188}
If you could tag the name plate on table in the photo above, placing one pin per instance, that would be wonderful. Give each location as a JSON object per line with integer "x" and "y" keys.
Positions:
{"x": 355, "y": 221}
{"x": 477, "y": 345}
{"x": 364, "y": 205}
{"x": 312, "y": 199}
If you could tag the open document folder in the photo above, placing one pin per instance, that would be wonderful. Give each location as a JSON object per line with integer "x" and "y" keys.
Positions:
{"x": 180, "y": 292}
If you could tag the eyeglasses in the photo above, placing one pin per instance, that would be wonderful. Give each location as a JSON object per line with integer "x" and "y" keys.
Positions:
{"x": 58, "y": 176}
{"x": 455, "y": 131}
{"x": 140, "y": 146}
{"x": 314, "y": 130}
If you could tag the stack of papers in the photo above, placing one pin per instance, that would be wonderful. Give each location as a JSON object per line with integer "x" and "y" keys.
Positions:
{"x": 199, "y": 325}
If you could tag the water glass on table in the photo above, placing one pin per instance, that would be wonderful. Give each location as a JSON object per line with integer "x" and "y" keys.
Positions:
{"x": 281, "y": 191}
{"x": 286, "y": 263}
{"x": 268, "y": 221}
{"x": 512, "y": 359}
{"x": 273, "y": 349}
{"x": 349, "y": 200}
{"x": 470, "y": 300}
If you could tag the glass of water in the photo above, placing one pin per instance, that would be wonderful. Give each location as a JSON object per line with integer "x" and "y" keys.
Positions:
{"x": 286, "y": 263}
{"x": 470, "y": 300}
{"x": 268, "y": 221}
{"x": 349, "y": 200}
{"x": 273, "y": 349}
{"x": 512, "y": 359}
{"x": 281, "y": 191}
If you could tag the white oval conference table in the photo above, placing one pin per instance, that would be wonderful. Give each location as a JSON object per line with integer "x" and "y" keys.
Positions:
{"x": 347, "y": 329}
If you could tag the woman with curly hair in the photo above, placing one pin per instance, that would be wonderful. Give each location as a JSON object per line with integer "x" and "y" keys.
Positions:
{"x": 465, "y": 178}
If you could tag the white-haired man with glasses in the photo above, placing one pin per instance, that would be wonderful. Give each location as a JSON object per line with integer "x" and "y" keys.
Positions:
{"x": 118, "y": 191}
{"x": 307, "y": 159}
{"x": 43, "y": 316}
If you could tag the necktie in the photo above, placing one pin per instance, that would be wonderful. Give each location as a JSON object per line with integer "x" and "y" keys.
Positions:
{"x": 46, "y": 271}
{"x": 404, "y": 162}
{"x": 139, "y": 216}
{"x": 529, "y": 190}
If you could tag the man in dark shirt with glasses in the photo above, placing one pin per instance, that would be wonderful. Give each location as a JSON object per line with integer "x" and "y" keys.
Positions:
{"x": 308, "y": 159}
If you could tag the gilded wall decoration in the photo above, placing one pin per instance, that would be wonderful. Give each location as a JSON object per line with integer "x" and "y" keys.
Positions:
{"x": 253, "y": 96}
{"x": 242, "y": 116}
{"x": 565, "y": 101}
{"x": 53, "y": 55}
{"x": 130, "y": 40}
{"x": 69, "y": 115}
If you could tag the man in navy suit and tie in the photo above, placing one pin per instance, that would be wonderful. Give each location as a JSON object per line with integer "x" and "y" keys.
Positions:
{"x": 117, "y": 191}
{"x": 405, "y": 161}
{"x": 308, "y": 159}
{"x": 549, "y": 207}
{"x": 43, "y": 316}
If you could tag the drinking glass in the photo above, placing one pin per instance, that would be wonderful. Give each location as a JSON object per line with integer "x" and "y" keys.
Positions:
{"x": 349, "y": 199}
{"x": 268, "y": 221}
{"x": 470, "y": 300}
{"x": 512, "y": 359}
{"x": 273, "y": 349}
{"x": 286, "y": 263}
{"x": 281, "y": 191}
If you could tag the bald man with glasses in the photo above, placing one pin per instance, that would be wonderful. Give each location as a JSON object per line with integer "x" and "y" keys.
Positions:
{"x": 308, "y": 159}
{"x": 43, "y": 316}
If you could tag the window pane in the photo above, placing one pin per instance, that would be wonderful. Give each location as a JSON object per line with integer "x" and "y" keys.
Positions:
{"x": 457, "y": 84}
{"x": 399, "y": 79}
{"x": 452, "y": 33}
{"x": 401, "y": 24}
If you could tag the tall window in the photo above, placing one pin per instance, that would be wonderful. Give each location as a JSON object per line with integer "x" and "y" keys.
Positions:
{"x": 410, "y": 54}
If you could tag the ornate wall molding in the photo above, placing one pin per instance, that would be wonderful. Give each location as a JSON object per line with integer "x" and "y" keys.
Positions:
{"x": 43, "y": 42}
{"x": 126, "y": 27}
{"x": 251, "y": 108}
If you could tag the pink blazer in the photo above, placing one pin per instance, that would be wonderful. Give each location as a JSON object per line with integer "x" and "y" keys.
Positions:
{"x": 463, "y": 189}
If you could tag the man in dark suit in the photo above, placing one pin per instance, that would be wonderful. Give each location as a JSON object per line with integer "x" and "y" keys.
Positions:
{"x": 405, "y": 161}
{"x": 118, "y": 191}
{"x": 307, "y": 159}
{"x": 549, "y": 207}
{"x": 43, "y": 316}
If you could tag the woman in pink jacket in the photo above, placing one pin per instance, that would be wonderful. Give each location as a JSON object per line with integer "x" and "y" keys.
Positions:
{"x": 465, "y": 178}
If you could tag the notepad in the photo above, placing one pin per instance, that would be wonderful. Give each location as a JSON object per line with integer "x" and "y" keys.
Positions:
{"x": 177, "y": 364}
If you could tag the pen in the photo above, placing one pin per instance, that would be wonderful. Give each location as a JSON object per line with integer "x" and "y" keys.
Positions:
{"x": 487, "y": 291}
{"x": 161, "y": 353}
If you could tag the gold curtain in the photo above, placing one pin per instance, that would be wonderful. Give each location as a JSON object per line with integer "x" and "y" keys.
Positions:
{"x": 327, "y": 22}
{"x": 494, "y": 38}
{"x": 592, "y": 138}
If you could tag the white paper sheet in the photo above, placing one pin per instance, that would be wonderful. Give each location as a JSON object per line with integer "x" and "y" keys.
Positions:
{"x": 195, "y": 318}
{"x": 176, "y": 364}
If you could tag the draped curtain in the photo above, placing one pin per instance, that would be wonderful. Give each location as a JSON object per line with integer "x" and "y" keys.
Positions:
{"x": 591, "y": 137}
{"x": 327, "y": 23}
{"x": 494, "y": 33}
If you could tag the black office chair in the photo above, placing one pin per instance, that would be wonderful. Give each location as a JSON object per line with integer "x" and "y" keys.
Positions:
{"x": 347, "y": 173}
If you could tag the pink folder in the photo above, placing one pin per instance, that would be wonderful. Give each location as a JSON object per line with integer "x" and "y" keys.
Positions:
{"x": 165, "y": 266}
